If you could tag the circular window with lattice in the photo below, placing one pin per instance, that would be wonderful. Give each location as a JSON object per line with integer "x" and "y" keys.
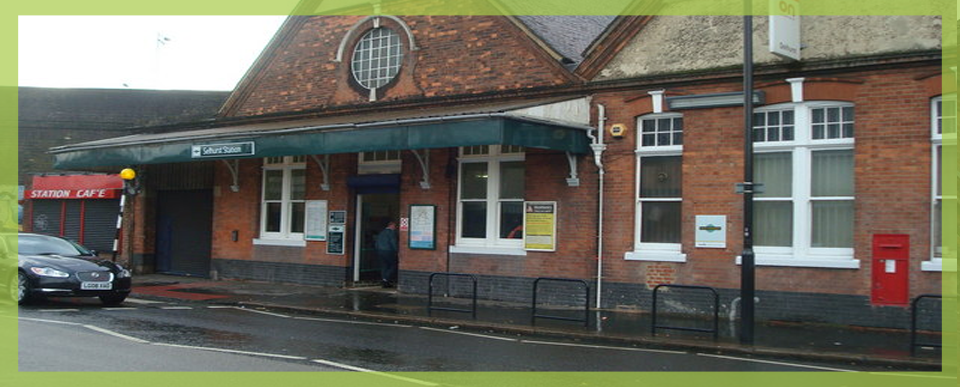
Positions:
{"x": 376, "y": 58}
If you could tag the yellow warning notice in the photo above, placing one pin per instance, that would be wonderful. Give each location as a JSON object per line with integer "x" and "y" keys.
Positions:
{"x": 540, "y": 226}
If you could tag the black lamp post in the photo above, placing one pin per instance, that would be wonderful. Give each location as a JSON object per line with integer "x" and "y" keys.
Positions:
{"x": 747, "y": 266}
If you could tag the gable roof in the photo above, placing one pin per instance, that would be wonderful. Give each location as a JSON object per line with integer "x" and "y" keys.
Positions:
{"x": 568, "y": 35}
{"x": 558, "y": 39}
{"x": 609, "y": 42}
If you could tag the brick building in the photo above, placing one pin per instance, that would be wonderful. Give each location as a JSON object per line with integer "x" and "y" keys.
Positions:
{"x": 480, "y": 134}
{"x": 58, "y": 202}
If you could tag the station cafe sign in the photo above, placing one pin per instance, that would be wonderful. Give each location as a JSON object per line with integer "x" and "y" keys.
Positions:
{"x": 75, "y": 187}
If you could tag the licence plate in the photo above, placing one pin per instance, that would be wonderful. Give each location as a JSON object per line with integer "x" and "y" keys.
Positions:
{"x": 96, "y": 285}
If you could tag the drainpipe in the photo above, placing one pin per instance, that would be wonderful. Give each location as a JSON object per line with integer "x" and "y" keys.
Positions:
{"x": 598, "y": 147}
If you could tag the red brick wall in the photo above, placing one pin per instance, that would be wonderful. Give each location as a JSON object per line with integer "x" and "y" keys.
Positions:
{"x": 546, "y": 174}
{"x": 439, "y": 194}
{"x": 457, "y": 56}
{"x": 893, "y": 180}
{"x": 240, "y": 211}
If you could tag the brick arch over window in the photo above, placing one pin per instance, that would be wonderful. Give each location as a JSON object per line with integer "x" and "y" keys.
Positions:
{"x": 402, "y": 80}
{"x": 833, "y": 89}
{"x": 365, "y": 24}
{"x": 814, "y": 89}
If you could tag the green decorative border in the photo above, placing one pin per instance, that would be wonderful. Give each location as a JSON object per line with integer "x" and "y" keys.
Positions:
{"x": 8, "y": 104}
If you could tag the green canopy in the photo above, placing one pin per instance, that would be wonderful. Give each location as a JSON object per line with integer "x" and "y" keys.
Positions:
{"x": 329, "y": 137}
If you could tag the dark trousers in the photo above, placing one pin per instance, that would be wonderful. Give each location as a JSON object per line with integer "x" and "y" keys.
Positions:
{"x": 388, "y": 265}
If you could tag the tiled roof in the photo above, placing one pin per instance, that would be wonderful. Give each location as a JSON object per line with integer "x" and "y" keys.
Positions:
{"x": 570, "y": 35}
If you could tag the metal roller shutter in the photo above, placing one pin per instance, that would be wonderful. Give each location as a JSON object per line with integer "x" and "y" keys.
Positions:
{"x": 46, "y": 217}
{"x": 72, "y": 220}
{"x": 100, "y": 225}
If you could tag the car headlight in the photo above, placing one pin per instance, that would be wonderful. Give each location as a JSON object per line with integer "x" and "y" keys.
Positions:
{"x": 48, "y": 272}
{"x": 124, "y": 273}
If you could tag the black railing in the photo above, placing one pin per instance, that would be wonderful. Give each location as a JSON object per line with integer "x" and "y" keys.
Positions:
{"x": 913, "y": 323}
{"x": 431, "y": 308}
{"x": 586, "y": 298}
{"x": 716, "y": 311}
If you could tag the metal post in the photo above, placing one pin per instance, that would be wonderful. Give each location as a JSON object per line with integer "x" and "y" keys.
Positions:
{"x": 116, "y": 235}
{"x": 747, "y": 285}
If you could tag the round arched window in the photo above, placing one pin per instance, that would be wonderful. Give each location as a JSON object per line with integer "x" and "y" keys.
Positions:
{"x": 377, "y": 58}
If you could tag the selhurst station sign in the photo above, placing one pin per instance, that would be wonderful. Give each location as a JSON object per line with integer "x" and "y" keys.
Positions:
{"x": 222, "y": 150}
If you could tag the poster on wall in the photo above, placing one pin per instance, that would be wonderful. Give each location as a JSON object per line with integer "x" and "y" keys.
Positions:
{"x": 316, "y": 218}
{"x": 423, "y": 227}
{"x": 335, "y": 239}
{"x": 711, "y": 231}
{"x": 540, "y": 226}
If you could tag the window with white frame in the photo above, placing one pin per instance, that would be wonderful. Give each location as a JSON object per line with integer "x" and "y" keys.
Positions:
{"x": 284, "y": 190}
{"x": 377, "y": 58}
{"x": 490, "y": 198}
{"x": 936, "y": 232}
{"x": 804, "y": 159}
{"x": 659, "y": 188}
{"x": 378, "y": 162}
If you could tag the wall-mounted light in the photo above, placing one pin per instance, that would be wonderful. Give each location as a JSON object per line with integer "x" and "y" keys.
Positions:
{"x": 131, "y": 185}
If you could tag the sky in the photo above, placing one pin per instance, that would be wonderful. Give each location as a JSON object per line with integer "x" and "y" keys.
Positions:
{"x": 140, "y": 52}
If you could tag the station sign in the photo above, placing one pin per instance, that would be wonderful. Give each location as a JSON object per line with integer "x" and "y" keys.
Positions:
{"x": 223, "y": 150}
{"x": 96, "y": 193}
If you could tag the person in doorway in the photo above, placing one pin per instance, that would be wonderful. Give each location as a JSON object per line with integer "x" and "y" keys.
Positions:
{"x": 387, "y": 247}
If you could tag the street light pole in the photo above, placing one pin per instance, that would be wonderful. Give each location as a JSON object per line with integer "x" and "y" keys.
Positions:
{"x": 747, "y": 275}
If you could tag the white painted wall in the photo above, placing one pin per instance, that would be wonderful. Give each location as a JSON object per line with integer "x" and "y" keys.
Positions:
{"x": 671, "y": 44}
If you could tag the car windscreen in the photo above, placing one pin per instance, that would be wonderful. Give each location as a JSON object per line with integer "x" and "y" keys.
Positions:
{"x": 45, "y": 245}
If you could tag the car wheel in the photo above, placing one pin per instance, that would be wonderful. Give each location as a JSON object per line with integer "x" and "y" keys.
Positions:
{"x": 113, "y": 300}
{"x": 23, "y": 289}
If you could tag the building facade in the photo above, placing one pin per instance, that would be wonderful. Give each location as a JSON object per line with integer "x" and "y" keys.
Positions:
{"x": 592, "y": 148}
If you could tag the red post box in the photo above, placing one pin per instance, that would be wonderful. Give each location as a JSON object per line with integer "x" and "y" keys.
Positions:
{"x": 890, "y": 264}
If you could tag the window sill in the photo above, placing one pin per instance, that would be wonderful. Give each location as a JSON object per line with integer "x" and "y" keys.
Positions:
{"x": 655, "y": 256}
{"x": 931, "y": 265}
{"x": 280, "y": 242}
{"x": 488, "y": 250}
{"x": 791, "y": 261}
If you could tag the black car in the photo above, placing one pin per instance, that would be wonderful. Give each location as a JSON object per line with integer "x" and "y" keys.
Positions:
{"x": 57, "y": 267}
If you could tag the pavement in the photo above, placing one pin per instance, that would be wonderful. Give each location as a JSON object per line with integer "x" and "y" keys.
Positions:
{"x": 781, "y": 340}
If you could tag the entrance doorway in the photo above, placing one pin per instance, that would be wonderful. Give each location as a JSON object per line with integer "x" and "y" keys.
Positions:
{"x": 373, "y": 212}
{"x": 184, "y": 232}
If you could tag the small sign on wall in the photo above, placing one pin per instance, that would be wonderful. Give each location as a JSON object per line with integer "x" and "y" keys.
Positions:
{"x": 540, "y": 226}
{"x": 338, "y": 217}
{"x": 335, "y": 239}
{"x": 711, "y": 231}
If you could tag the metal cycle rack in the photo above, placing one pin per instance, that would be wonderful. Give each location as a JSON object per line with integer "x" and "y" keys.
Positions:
{"x": 716, "y": 311}
{"x": 431, "y": 308}
{"x": 913, "y": 324}
{"x": 586, "y": 306}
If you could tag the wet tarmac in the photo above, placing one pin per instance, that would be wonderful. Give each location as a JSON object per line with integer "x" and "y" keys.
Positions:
{"x": 841, "y": 344}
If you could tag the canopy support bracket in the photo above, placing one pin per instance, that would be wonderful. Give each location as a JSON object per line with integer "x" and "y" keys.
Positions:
{"x": 574, "y": 179}
{"x": 234, "y": 167}
{"x": 424, "y": 166}
{"x": 324, "y": 169}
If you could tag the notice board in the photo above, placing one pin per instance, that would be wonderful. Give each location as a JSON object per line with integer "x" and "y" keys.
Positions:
{"x": 540, "y": 226}
{"x": 316, "y": 217}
